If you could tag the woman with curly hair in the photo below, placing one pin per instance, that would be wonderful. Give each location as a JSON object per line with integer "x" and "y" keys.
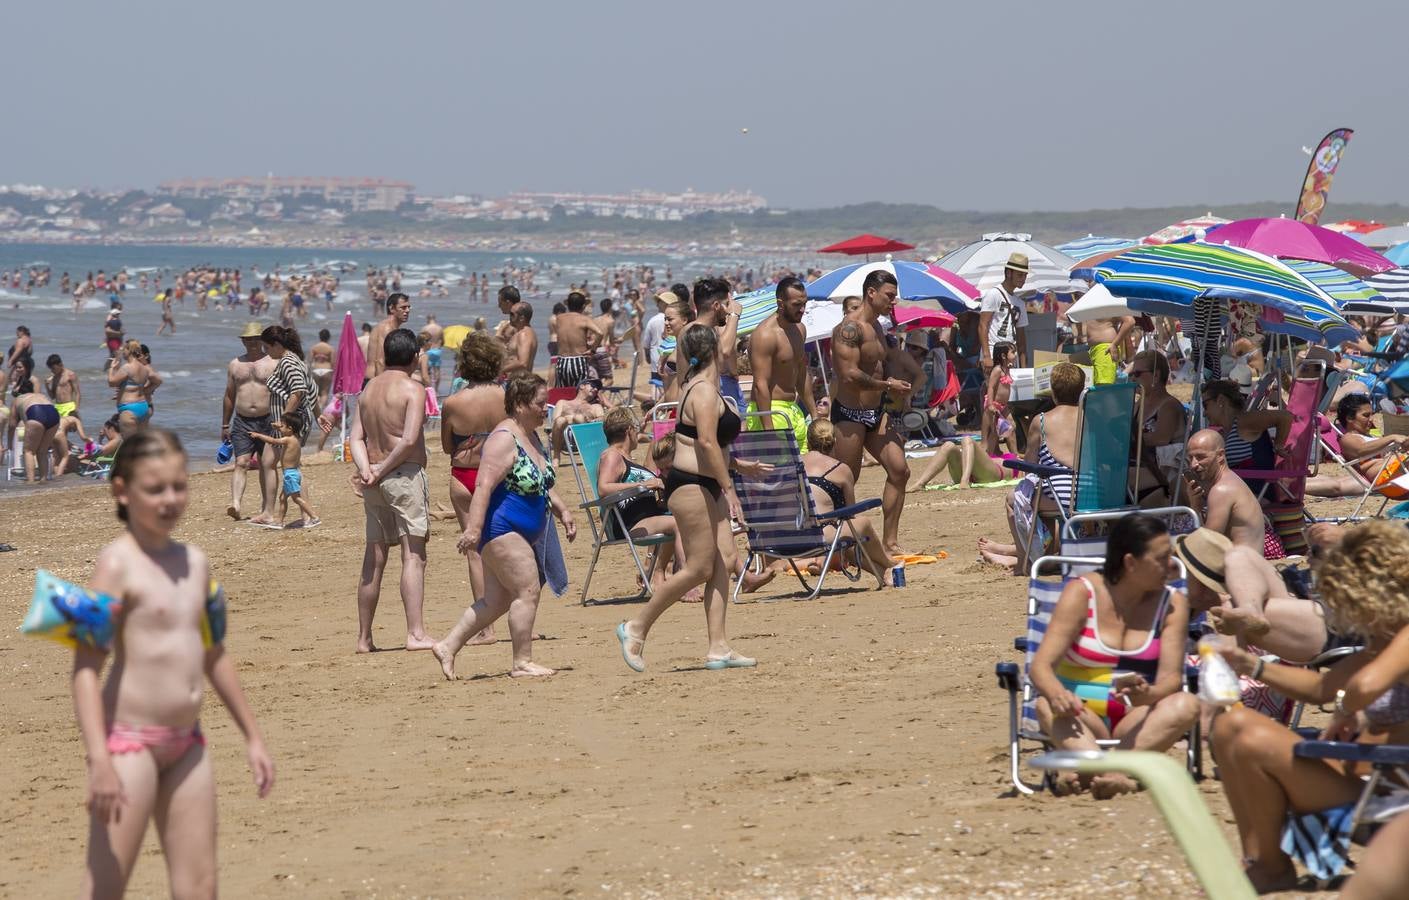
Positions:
{"x": 1279, "y": 800}
{"x": 466, "y": 418}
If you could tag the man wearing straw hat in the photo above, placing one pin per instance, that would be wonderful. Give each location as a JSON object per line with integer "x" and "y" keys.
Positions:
{"x": 246, "y": 410}
{"x": 1001, "y": 317}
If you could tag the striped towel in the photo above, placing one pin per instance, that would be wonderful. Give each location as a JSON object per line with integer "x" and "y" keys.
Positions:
{"x": 1320, "y": 841}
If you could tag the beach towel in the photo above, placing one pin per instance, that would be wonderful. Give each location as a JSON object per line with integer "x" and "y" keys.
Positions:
{"x": 552, "y": 569}
{"x": 1320, "y": 841}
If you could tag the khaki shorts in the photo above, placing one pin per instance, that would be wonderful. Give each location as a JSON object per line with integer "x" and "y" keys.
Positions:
{"x": 398, "y": 506}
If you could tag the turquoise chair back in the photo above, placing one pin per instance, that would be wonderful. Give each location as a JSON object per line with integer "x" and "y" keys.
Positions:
{"x": 590, "y": 440}
{"x": 1103, "y": 465}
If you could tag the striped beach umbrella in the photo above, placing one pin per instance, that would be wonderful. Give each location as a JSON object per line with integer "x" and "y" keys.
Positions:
{"x": 1089, "y": 246}
{"x": 1183, "y": 229}
{"x": 1166, "y": 279}
{"x": 1342, "y": 287}
{"x": 1393, "y": 290}
{"x": 915, "y": 281}
{"x": 981, "y": 263}
{"x": 757, "y": 306}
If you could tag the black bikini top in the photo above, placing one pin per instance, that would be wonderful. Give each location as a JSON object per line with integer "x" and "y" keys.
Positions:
{"x": 728, "y": 428}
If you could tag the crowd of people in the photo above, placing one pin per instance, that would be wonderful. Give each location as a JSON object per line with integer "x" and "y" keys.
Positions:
{"x": 1110, "y": 666}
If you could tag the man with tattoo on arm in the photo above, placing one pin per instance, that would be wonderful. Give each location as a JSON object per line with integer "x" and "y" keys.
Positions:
{"x": 858, "y": 355}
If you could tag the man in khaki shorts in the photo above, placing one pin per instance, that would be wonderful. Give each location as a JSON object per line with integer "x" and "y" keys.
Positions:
{"x": 389, "y": 450}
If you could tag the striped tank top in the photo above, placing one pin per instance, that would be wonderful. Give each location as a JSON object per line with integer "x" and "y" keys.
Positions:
{"x": 1060, "y": 486}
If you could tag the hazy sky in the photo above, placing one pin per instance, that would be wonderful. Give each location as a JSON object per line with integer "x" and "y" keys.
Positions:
{"x": 979, "y": 105}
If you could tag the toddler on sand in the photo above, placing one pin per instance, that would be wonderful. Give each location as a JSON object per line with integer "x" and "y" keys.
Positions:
{"x": 146, "y": 753}
{"x": 291, "y": 455}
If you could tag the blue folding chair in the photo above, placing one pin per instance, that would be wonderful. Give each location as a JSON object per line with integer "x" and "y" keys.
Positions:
{"x": 585, "y": 449}
{"x": 779, "y": 517}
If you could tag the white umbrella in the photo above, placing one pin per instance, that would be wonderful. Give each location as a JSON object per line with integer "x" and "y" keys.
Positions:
{"x": 1386, "y": 237}
{"x": 819, "y": 317}
{"x": 982, "y": 262}
{"x": 1099, "y": 303}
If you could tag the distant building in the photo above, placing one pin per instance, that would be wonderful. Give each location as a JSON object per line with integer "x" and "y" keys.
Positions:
{"x": 360, "y": 194}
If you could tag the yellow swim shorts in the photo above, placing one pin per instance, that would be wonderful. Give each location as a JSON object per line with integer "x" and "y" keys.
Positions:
{"x": 1102, "y": 363}
{"x": 66, "y": 409}
{"x": 797, "y": 420}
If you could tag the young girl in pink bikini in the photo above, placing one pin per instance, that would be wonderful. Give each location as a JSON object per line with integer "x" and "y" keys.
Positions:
{"x": 146, "y": 753}
{"x": 997, "y": 426}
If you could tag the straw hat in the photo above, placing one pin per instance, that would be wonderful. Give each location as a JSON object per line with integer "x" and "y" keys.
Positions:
{"x": 1017, "y": 262}
{"x": 252, "y": 330}
{"x": 1203, "y": 552}
{"x": 917, "y": 338}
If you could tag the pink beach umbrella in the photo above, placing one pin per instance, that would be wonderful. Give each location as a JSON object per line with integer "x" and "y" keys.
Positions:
{"x": 1293, "y": 239}
{"x": 351, "y": 363}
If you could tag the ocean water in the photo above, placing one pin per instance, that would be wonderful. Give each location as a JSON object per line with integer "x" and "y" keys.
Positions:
{"x": 192, "y": 363}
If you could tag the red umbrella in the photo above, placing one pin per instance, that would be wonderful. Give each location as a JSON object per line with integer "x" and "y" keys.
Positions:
{"x": 866, "y": 244}
{"x": 1354, "y": 226}
{"x": 921, "y": 317}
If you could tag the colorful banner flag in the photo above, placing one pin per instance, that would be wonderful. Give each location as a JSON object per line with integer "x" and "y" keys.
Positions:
{"x": 1319, "y": 174}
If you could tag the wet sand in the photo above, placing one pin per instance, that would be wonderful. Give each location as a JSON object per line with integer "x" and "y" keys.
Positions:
{"x": 865, "y": 755}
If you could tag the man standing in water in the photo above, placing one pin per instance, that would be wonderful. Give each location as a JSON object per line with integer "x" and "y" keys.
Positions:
{"x": 389, "y": 451}
{"x": 858, "y": 357}
{"x": 245, "y": 411}
{"x": 781, "y": 380}
{"x": 398, "y": 311}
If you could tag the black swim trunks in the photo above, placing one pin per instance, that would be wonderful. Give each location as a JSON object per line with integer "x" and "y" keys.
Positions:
{"x": 241, "y": 443}
{"x": 871, "y": 418}
{"x": 572, "y": 370}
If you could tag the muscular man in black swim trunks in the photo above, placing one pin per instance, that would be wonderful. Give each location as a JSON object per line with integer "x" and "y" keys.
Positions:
{"x": 858, "y": 356}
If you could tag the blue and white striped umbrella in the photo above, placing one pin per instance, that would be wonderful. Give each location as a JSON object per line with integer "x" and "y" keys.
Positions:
{"x": 1393, "y": 288}
{"x": 1089, "y": 246}
{"x": 914, "y": 281}
{"x": 1165, "y": 279}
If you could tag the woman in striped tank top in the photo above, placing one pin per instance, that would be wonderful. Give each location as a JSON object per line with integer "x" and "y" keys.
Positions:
{"x": 1111, "y": 664}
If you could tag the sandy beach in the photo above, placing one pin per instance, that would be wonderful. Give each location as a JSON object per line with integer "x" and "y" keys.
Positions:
{"x": 864, "y": 756}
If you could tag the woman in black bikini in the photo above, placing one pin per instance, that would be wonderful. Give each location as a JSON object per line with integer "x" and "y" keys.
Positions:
{"x": 700, "y": 495}
{"x": 833, "y": 486}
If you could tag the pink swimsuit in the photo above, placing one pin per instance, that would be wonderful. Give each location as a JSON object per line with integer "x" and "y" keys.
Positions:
{"x": 167, "y": 744}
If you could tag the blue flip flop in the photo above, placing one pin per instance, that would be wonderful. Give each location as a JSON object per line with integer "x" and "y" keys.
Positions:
{"x": 732, "y": 661}
{"x": 625, "y": 638}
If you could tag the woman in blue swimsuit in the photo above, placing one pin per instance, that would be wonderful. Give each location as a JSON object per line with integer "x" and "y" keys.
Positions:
{"x": 135, "y": 381}
{"x": 508, "y": 515}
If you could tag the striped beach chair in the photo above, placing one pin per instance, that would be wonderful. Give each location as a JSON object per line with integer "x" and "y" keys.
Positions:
{"x": 1048, "y": 577}
{"x": 779, "y": 517}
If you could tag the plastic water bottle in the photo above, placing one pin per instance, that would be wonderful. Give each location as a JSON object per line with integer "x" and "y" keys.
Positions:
{"x": 1218, "y": 683}
{"x": 897, "y": 575}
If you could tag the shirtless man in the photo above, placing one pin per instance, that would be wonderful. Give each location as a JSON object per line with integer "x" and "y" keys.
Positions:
{"x": 508, "y": 298}
{"x": 781, "y": 380}
{"x": 63, "y": 386}
{"x": 1229, "y": 507}
{"x": 398, "y": 311}
{"x": 246, "y": 409}
{"x": 604, "y": 355}
{"x": 858, "y": 355}
{"x": 1104, "y": 339}
{"x": 523, "y": 346}
{"x": 716, "y": 307}
{"x": 320, "y": 362}
{"x": 585, "y": 407}
{"x": 558, "y": 309}
{"x": 435, "y": 349}
{"x": 577, "y": 335}
{"x": 389, "y": 451}
{"x": 364, "y": 337}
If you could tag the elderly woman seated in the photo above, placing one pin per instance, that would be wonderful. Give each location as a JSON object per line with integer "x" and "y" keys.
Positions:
{"x": 1111, "y": 665}
{"x": 1051, "y": 441}
{"x": 1355, "y": 416}
{"x": 1363, "y": 582}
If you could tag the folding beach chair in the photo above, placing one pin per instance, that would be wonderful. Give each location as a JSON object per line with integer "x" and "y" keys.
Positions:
{"x": 1386, "y": 791}
{"x": 1084, "y": 534}
{"x": 779, "y": 517}
{"x": 663, "y": 419}
{"x": 1102, "y": 479}
{"x": 624, "y": 393}
{"x": 1302, "y": 402}
{"x": 585, "y": 449}
{"x": 1388, "y": 483}
{"x": 1043, "y": 592}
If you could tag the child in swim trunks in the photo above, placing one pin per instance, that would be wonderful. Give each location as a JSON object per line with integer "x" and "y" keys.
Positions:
{"x": 141, "y": 732}
{"x": 291, "y": 455}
